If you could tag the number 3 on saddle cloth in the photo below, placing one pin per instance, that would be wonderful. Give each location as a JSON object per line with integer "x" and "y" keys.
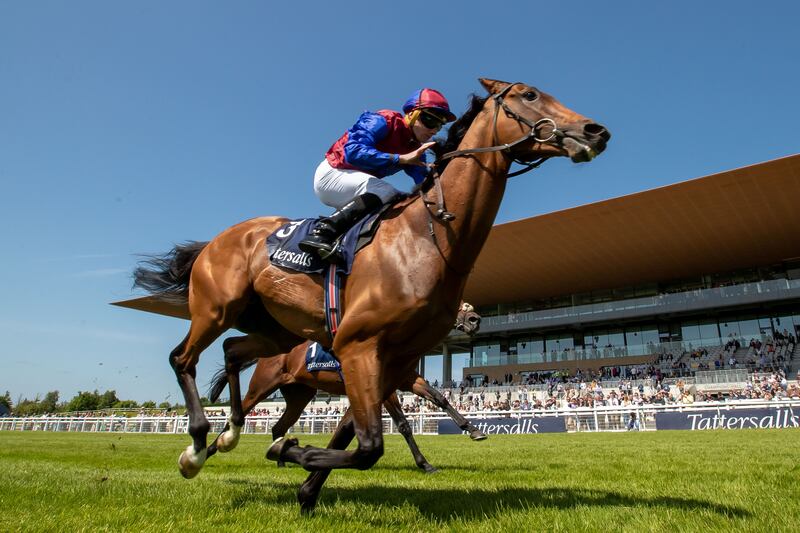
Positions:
{"x": 283, "y": 251}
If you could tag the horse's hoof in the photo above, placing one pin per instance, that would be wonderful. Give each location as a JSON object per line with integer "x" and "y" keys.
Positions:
{"x": 190, "y": 462}
{"x": 477, "y": 435}
{"x": 307, "y": 507}
{"x": 228, "y": 439}
{"x": 278, "y": 448}
{"x": 430, "y": 469}
{"x": 307, "y": 501}
{"x": 280, "y": 462}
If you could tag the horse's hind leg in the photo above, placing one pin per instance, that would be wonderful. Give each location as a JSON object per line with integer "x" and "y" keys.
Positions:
{"x": 184, "y": 361}
{"x": 392, "y": 405}
{"x": 422, "y": 388}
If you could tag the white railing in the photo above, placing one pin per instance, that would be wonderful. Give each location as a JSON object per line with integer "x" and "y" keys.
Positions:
{"x": 610, "y": 418}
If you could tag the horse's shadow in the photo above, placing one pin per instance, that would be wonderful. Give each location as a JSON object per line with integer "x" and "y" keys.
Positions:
{"x": 459, "y": 503}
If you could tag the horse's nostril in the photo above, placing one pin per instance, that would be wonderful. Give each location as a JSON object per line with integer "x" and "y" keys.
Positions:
{"x": 597, "y": 130}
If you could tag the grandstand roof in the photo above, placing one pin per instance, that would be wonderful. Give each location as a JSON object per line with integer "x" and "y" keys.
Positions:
{"x": 719, "y": 223}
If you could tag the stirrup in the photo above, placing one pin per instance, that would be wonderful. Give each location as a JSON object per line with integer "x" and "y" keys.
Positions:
{"x": 332, "y": 255}
{"x": 316, "y": 244}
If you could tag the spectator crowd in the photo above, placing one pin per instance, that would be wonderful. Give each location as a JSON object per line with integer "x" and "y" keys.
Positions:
{"x": 579, "y": 392}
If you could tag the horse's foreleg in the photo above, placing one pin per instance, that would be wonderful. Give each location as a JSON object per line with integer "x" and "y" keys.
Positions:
{"x": 297, "y": 397}
{"x": 362, "y": 376}
{"x": 234, "y": 359}
{"x": 265, "y": 380}
{"x": 392, "y": 405}
{"x": 309, "y": 491}
{"x": 370, "y": 449}
{"x": 423, "y": 389}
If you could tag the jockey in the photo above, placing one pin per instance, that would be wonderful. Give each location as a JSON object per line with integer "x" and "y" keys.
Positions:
{"x": 379, "y": 144}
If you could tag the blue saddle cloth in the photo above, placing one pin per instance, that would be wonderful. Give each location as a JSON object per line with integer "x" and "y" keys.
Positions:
{"x": 318, "y": 358}
{"x": 283, "y": 250}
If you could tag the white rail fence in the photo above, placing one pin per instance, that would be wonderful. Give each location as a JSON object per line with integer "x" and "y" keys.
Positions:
{"x": 575, "y": 420}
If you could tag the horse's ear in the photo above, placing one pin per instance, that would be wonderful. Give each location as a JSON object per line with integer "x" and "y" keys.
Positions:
{"x": 492, "y": 86}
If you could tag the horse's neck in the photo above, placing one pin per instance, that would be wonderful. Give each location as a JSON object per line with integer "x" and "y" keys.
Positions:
{"x": 473, "y": 188}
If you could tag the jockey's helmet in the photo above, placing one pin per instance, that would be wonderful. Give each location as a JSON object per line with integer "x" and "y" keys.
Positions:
{"x": 430, "y": 100}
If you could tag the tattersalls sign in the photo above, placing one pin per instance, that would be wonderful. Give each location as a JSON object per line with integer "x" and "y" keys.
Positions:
{"x": 508, "y": 426}
{"x": 778, "y": 418}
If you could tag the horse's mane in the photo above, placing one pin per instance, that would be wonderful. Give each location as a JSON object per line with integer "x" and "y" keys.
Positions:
{"x": 457, "y": 130}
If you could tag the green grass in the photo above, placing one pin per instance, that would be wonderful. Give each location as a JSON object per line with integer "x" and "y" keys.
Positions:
{"x": 667, "y": 481}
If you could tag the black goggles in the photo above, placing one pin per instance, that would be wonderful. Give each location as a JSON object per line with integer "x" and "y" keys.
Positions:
{"x": 431, "y": 121}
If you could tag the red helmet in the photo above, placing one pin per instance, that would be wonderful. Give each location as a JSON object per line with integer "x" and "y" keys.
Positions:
{"x": 429, "y": 99}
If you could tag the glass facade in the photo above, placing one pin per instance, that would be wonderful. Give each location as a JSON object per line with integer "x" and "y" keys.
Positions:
{"x": 530, "y": 350}
{"x": 665, "y": 317}
{"x": 641, "y": 340}
{"x": 636, "y": 340}
{"x": 486, "y": 355}
{"x": 459, "y": 363}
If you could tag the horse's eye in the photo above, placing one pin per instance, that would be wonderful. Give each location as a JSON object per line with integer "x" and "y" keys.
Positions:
{"x": 530, "y": 96}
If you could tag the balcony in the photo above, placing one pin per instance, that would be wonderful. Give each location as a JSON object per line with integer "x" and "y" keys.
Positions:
{"x": 698, "y": 300}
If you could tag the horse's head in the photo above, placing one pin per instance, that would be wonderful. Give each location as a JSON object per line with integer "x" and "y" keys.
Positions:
{"x": 537, "y": 125}
{"x": 468, "y": 320}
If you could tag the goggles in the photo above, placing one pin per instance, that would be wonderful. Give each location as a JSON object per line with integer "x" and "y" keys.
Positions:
{"x": 431, "y": 120}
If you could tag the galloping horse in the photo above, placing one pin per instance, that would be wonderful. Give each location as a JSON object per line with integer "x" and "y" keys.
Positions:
{"x": 288, "y": 373}
{"x": 403, "y": 291}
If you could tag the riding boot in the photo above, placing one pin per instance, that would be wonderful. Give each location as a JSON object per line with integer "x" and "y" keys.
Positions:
{"x": 321, "y": 238}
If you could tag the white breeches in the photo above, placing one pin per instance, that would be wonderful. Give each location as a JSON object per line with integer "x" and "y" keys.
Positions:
{"x": 335, "y": 187}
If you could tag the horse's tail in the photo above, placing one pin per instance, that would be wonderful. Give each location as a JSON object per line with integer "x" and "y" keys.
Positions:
{"x": 220, "y": 380}
{"x": 168, "y": 275}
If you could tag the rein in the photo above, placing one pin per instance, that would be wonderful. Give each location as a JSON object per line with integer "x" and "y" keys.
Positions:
{"x": 498, "y": 100}
{"x": 441, "y": 211}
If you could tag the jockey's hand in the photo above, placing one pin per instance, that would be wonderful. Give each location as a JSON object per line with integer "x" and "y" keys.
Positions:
{"x": 413, "y": 158}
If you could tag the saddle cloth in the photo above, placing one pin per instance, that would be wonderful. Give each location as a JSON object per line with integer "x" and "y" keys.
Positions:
{"x": 283, "y": 251}
{"x": 320, "y": 359}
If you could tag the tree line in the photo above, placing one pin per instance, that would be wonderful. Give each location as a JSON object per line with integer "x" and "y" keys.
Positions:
{"x": 83, "y": 401}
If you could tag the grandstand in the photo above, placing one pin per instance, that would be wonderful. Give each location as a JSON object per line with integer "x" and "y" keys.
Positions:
{"x": 698, "y": 276}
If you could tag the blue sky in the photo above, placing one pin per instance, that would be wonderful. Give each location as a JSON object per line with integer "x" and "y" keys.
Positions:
{"x": 128, "y": 127}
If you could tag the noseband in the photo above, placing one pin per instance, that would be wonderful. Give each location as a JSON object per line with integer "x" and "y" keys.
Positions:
{"x": 534, "y": 126}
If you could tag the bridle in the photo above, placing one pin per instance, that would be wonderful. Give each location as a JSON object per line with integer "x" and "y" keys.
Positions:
{"x": 441, "y": 212}
{"x": 534, "y": 126}
{"x": 467, "y": 319}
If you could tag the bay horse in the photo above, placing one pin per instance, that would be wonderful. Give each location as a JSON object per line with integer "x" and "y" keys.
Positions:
{"x": 288, "y": 373}
{"x": 403, "y": 291}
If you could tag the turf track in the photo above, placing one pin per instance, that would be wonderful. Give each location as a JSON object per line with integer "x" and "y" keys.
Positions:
{"x": 670, "y": 481}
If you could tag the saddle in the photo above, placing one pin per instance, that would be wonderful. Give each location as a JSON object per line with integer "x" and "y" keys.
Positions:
{"x": 283, "y": 250}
